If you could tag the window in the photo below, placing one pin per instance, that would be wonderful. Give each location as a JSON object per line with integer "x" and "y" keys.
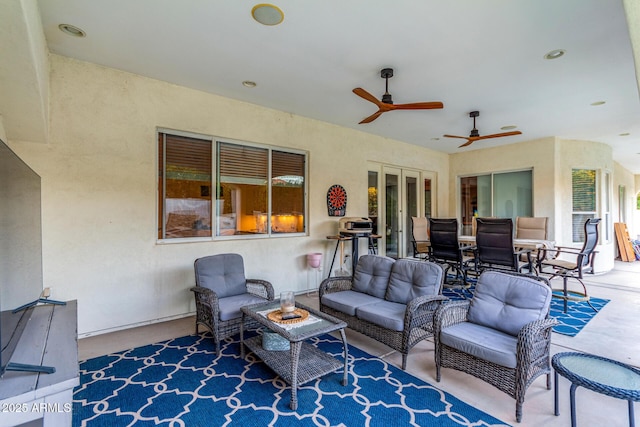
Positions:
{"x": 258, "y": 190}
{"x": 184, "y": 186}
{"x": 583, "y": 184}
{"x": 504, "y": 195}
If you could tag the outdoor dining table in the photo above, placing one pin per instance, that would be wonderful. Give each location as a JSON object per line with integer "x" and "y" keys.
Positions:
{"x": 532, "y": 244}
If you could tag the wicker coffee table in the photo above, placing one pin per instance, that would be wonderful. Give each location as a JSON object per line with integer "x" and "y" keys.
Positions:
{"x": 303, "y": 362}
{"x": 598, "y": 374}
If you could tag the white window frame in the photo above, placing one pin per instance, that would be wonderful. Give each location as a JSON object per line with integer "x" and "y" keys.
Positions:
{"x": 214, "y": 219}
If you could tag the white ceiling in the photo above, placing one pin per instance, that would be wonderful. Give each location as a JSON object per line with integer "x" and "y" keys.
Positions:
{"x": 471, "y": 55}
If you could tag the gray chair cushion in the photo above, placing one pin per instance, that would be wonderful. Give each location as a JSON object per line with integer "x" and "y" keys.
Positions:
{"x": 223, "y": 274}
{"x": 410, "y": 279}
{"x": 372, "y": 275}
{"x": 507, "y": 303}
{"x": 389, "y": 315}
{"x": 348, "y": 301}
{"x": 230, "y": 306}
{"x": 482, "y": 342}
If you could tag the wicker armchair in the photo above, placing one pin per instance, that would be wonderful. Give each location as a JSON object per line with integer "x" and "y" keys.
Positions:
{"x": 502, "y": 336}
{"x": 221, "y": 290}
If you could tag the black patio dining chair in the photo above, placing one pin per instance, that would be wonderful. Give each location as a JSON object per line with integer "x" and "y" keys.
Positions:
{"x": 581, "y": 261}
{"x": 494, "y": 246}
{"x": 447, "y": 251}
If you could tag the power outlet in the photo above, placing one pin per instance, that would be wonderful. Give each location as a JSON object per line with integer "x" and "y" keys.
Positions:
{"x": 46, "y": 292}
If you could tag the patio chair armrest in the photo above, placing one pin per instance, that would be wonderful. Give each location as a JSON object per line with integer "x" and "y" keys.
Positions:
{"x": 261, "y": 288}
{"x": 557, "y": 250}
{"x": 420, "y": 312}
{"x": 425, "y": 302}
{"x": 532, "y": 336}
{"x": 537, "y": 327}
{"x": 522, "y": 251}
{"x": 205, "y": 298}
{"x": 334, "y": 284}
{"x": 450, "y": 314}
{"x": 202, "y": 292}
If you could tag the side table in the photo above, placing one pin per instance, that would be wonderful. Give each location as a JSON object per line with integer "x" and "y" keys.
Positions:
{"x": 598, "y": 374}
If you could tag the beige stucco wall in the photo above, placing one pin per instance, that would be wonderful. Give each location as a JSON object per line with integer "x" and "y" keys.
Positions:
{"x": 99, "y": 191}
{"x": 536, "y": 155}
{"x": 552, "y": 160}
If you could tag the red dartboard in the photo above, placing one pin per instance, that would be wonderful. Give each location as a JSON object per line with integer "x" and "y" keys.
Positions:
{"x": 337, "y": 200}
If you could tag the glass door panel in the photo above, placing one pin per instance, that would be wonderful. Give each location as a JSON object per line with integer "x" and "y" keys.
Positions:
{"x": 428, "y": 208}
{"x": 392, "y": 212}
{"x": 411, "y": 204}
{"x": 372, "y": 203}
{"x": 512, "y": 195}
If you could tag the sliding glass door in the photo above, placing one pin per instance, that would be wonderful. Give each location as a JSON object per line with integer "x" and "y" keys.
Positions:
{"x": 503, "y": 195}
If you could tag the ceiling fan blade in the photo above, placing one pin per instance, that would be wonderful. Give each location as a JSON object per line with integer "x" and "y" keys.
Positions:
{"x": 366, "y": 95}
{"x": 372, "y": 117}
{"x": 469, "y": 142}
{"x": 419, "y": 106}
{"x": 499, "y": 135}
{"x": 455, "y": 136}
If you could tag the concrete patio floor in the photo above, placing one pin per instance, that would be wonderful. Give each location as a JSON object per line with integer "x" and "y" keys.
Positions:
{"x": 614, "y": 333}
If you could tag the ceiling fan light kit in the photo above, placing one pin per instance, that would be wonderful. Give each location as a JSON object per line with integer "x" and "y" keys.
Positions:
{"x": 386, "y": 104}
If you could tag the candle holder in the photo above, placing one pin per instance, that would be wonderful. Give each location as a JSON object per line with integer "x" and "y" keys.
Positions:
{"x": 287, "y": 302}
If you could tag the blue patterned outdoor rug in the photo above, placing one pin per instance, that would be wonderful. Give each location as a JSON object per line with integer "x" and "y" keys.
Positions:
{"x": 182, "y": 383}
{"x": 578, "y": 314}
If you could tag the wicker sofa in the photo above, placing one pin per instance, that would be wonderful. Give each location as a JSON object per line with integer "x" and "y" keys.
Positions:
{"x": 390, "y": 301}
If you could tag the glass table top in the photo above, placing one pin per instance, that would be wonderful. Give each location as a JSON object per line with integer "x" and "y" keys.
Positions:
{"x": 317, "y": 322}
{"x": 602, "y": 371}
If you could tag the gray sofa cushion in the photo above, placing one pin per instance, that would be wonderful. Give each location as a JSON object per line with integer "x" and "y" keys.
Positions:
{"x": 482, "y": 342}
{"x": 389, "y": 315}
{"x": 230, "y": 306}
{"x": 222, "y": 273}
{"x": 410, "y": 279}
{"x": 507, "y": 303}
{"x": 348, "y": 301}
{"x": 372, "y": 275}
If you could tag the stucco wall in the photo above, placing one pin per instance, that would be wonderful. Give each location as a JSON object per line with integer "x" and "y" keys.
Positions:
{"x": 552, "y": 160}
{"x": 99, "y": 191}
{"x": 536, "y": 155}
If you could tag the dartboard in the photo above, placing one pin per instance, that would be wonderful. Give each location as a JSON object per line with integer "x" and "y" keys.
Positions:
{"x": 336, "y": 200}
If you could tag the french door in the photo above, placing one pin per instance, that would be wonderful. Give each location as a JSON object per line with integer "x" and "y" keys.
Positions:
{"x": 401, "y": 195}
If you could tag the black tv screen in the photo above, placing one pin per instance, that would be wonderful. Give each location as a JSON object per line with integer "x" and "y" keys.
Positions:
{"x": 20, "y": 247}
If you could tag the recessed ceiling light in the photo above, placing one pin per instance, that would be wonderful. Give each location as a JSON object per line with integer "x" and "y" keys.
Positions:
{"x": 625, "y": 134}
{"x": 249, "y": 83}
{"x": 72, "y": 30}
{"x": 595, "y": 104}
{"x": 435, "y": 139}
{"x": 267, "y": 14}
{"x": 508, "y": 127}
{"x": 554, "y": 54}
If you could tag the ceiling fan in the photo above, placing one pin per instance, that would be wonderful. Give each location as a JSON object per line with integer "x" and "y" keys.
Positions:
{"x": 475, "y": 135}
{"x": 387, "y": 103}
